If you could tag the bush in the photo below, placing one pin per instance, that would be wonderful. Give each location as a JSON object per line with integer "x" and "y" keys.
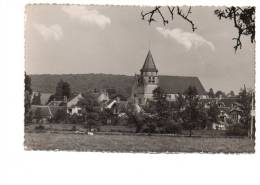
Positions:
{"x": 172, "y": 127}
{"x": 236, "y": 130}
{"x": 60, "y": 115}
{"x": 76, "y": 119}
{"x": 39, "y": 128}
{"x": 73, "y": 128}
{"x": 149, "y": 127}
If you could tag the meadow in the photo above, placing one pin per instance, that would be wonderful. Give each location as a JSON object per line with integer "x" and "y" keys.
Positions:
{"x": 136, "y": 143}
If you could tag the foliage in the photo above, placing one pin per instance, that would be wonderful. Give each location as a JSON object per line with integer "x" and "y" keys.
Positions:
{"x": 39, "y": 128}
{"x": 89, "y": 102}
{"x": 27, "y": 83}
{"x": 243, "y": 19}
{"x": 191, "y": 114}
{"x": 73, "y": 128}
{"x": 179, "y": 105}
{"x": 60, "y": 115}
{"x": 220, "y": 94}
{"x": 231, "y": 94}
{"x": 75, "y": 119}
{"x": 36, "y": 99}
{"x": 62, "y": 90}
{"x": 92, "y": 119}
{"x": 236, "y": 130}
{"x": 172, "y": 127}
{"x": 246, "y": 100}
{"x": 161, "y": 103}
{"x": 106, "y": 115}
{"x": 211, "y": 93}
{"x": 213, "y": 112}
{"x": 91, "y": 110}
{"x": 27, "y": 98}
{"x": 37, "y": 114}
{"x": 136, "y": 120}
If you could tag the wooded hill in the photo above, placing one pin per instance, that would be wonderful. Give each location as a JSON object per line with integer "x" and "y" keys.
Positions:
{"x": 46, "y": 83}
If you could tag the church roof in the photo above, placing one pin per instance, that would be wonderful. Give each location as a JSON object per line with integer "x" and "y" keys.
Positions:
{"x": 179, "y": 84}
{"x": 149, "y": 65}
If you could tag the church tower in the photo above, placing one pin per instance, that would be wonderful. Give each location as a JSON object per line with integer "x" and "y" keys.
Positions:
{"x": 147, "y": 81}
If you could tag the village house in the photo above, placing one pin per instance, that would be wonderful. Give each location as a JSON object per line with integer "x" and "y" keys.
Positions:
{"x": 230, "y": 111}
{"x": 73, "y": 107}
{"x": 148, "y": 80}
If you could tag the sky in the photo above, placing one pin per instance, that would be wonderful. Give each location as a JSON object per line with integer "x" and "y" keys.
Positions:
{"x": 72, "y": 39}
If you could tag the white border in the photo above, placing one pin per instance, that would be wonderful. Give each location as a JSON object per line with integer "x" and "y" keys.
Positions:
{"x": 20, "y": 167}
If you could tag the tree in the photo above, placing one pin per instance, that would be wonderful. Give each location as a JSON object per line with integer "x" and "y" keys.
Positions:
{"x": 246, "y": 99}
{"x": 242, "y": 17}
{"x": 38, "y": 115}
{"x": 231, "y": 94}
{"x": 62, "y": 90}
{"x": 211, "y": 93}
{"x": 179, "y": 106}
{"x": 175, "y": 10}
{"x": 191, "y": 114}
{"x": 161, "y": 103}
{"x": 36, "y": 99}
{"x": 60, "y": 115}
{"x": 27, "y": 98}
{"x": 220, "y": 94}
{"x": 91, "y": 110}
{"x": 213, "y": 112}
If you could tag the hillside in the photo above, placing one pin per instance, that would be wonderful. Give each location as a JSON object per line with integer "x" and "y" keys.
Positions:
{"x": 82, "y": 82}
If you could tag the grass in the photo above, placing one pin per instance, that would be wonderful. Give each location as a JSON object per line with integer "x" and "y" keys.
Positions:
{"x": 127, "y": 143}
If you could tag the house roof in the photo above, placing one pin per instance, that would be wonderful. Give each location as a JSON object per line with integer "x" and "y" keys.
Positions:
{"x": 228, "y": 101}
{"x": 149, "y": 65}
{"x": 45, "y": 98}
{"x": 179, "y": 84}
{"x": 44, "y": 110}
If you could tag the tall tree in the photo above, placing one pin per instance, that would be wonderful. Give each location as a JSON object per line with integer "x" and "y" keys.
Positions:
{"x": 179, "y": 105}
{"x": 211, "y": 93}
{"x": 246, "y": 99}
{"x": 91, "y": 110}
{"x": 27, "y": 98}
{"x": 36, "y": 100}
{"x": 62, "y": 90}
{"x": 191, "y": 114}
{"x": 213, "y": 112}
{"x": 161, "y": 103}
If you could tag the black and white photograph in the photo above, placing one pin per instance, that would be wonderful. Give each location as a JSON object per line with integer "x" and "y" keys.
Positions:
{"x": 149, "y": 79}
{"x": 136, "y": 92}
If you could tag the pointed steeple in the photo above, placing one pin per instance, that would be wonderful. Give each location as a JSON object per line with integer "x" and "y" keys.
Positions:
{"x": 149, "y": 65}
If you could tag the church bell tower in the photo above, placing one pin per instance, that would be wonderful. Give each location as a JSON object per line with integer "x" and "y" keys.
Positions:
{"x": 146, "y": 82}
{"x": 149, "y": 75}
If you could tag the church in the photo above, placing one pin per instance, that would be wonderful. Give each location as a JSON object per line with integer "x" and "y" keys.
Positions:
{"x": 149, "y": 79}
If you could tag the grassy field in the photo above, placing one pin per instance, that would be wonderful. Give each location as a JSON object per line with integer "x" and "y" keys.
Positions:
{"x": 127, "y": 143}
